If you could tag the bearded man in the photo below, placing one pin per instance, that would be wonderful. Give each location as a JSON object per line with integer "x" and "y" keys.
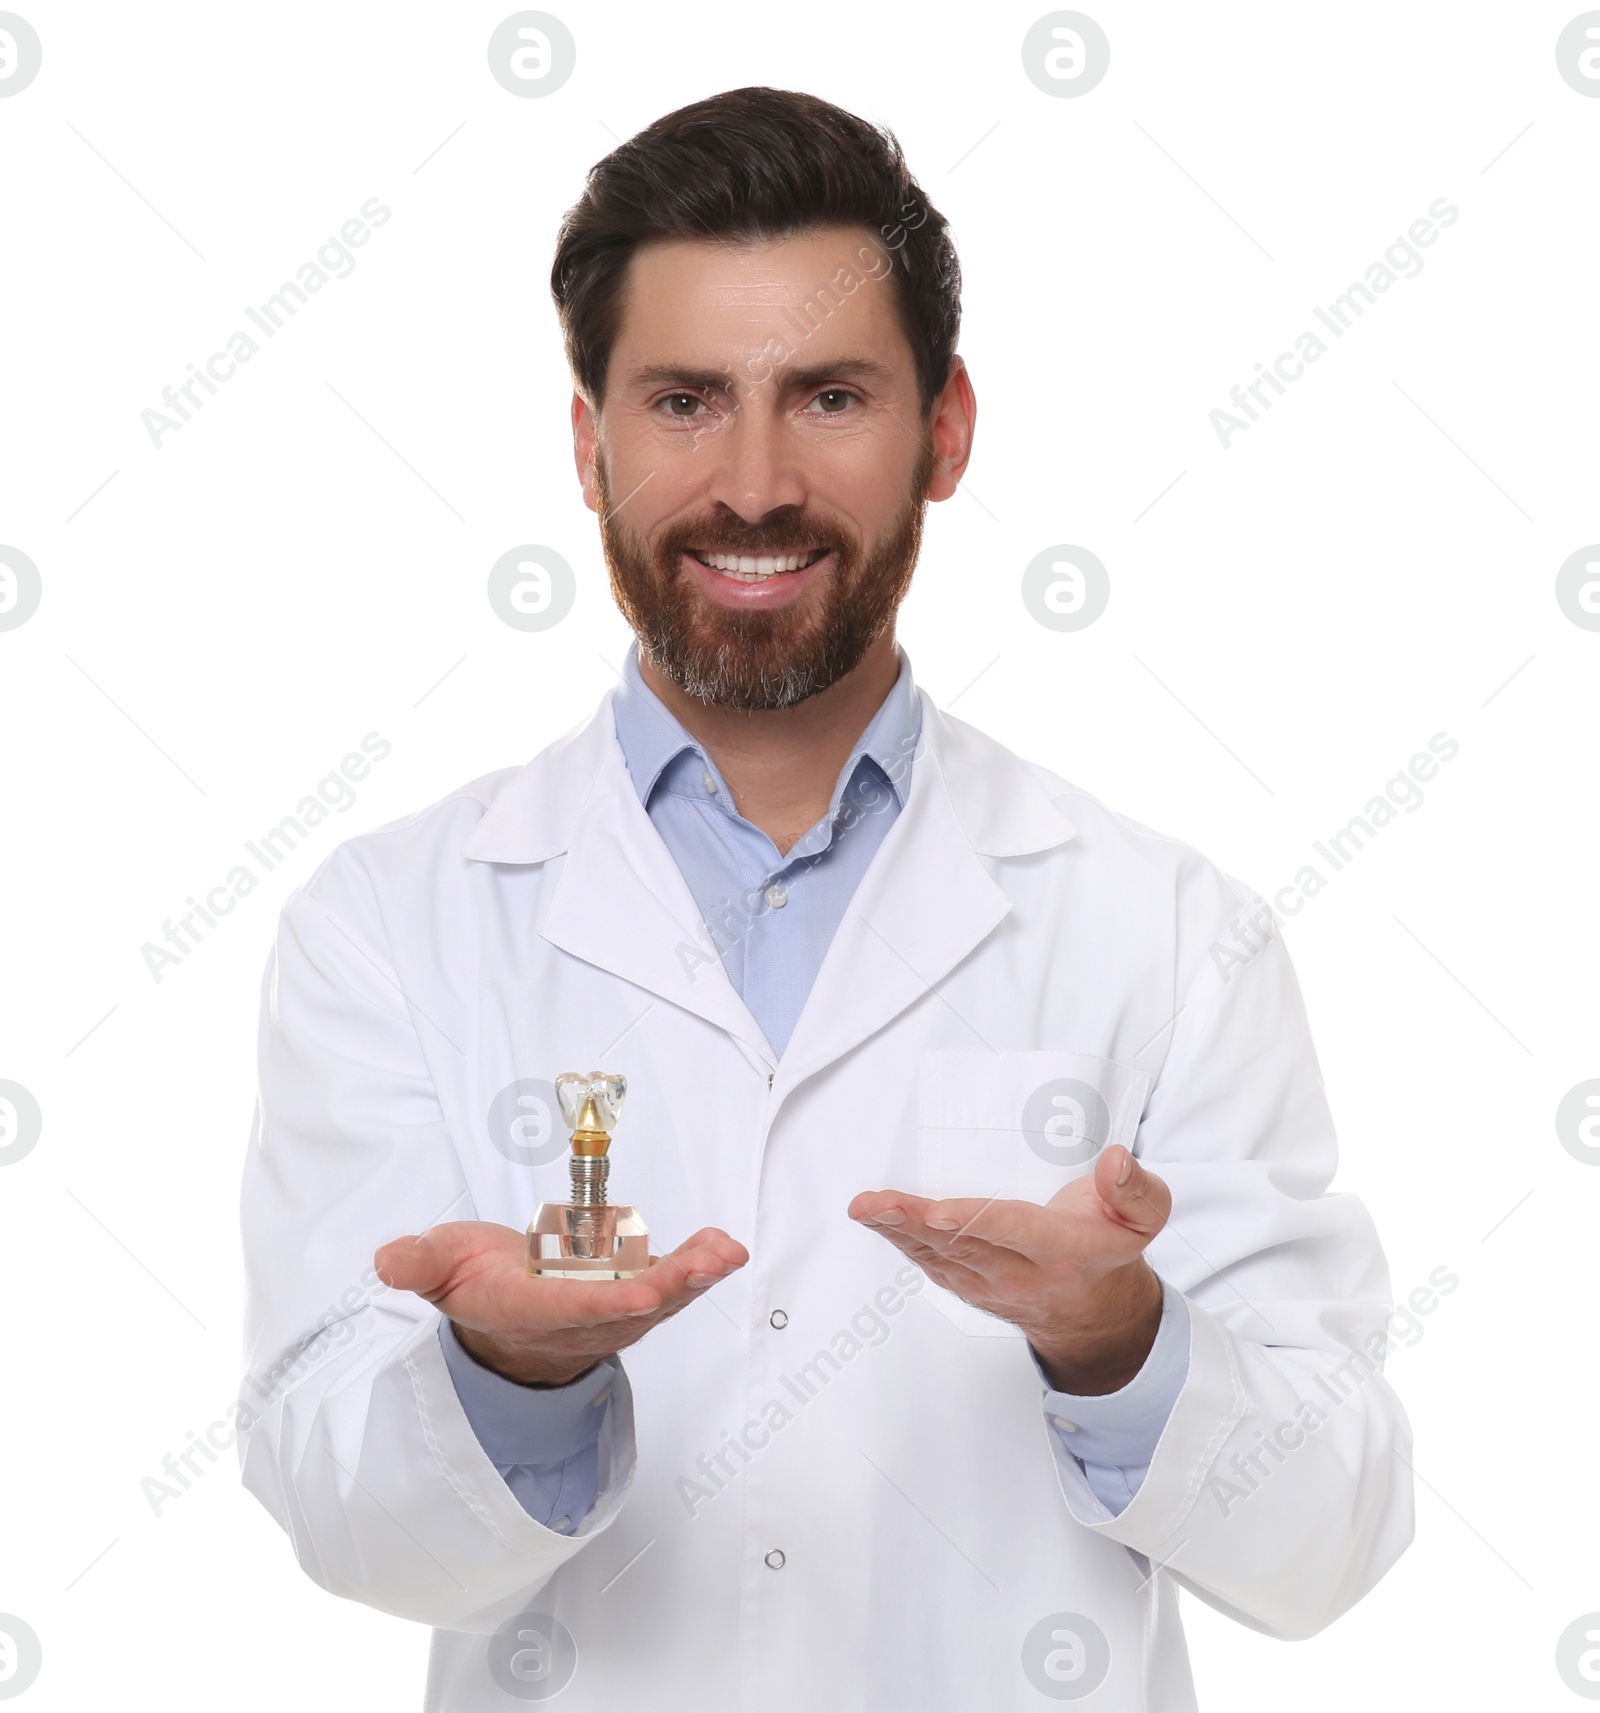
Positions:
{"x": 1000, "y": 1295}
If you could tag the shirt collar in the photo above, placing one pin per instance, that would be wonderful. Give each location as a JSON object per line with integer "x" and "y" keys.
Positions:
{"x": 1003, "y": 806}
{"x": 652, "y": 736}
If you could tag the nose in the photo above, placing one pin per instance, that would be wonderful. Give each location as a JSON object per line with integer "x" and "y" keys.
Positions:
{"x": 756, "y": 468}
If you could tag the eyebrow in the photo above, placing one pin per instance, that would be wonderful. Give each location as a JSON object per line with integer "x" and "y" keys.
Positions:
{"x": 719, "y": 380}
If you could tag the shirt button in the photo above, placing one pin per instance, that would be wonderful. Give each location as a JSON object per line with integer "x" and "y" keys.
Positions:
{"x": 709, "y": 782}
{"x": 778, "y": 1319}
{"x": 1065, "y": 1426}
{"x": 774, "y": 1559}
{"x": 777, "y": 895}
{"x": 561, "y": 1525}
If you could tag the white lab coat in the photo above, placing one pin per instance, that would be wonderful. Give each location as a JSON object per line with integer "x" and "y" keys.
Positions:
{"x": 939, "y": 1550}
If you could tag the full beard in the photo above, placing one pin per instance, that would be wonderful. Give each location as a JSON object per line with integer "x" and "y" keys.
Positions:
{"x": 761, "y": 660}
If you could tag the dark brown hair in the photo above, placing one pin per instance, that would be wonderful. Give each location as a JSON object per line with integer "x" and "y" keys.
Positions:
{"x": 754, "y": 164}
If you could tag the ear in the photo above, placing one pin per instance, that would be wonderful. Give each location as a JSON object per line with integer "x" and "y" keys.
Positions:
{"x": 955, "y": 417}
{"x": 585, "y": 447}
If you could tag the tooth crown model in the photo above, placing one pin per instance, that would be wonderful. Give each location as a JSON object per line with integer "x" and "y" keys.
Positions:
{"x": 587, "y": 1238}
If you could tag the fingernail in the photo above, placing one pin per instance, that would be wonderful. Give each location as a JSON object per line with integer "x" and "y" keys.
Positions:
{"x": 634, "y": 1312}
{"x": 890, "y": 1216}
{"x": 700, "y": 1280}
{"x": 942, "y": 1224}
{"x": 1127, "y": 1169}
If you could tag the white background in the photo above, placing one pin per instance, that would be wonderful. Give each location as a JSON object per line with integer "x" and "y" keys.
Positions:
{"x": 228, "y": 615}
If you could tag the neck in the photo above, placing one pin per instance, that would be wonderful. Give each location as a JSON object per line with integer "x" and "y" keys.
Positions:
{"x": 781, "y": 764}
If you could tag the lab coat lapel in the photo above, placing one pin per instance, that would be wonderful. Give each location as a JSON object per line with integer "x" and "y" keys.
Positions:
{"x": 928, "y": 898}
{"x": 620, "y": 902}
{"x": 623, "y": 905}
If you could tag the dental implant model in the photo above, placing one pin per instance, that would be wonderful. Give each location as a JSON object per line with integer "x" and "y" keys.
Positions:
{"x": 587, "y": 1238}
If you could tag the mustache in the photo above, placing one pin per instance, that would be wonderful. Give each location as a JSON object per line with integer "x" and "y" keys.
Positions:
{"x": 784, "y": 531}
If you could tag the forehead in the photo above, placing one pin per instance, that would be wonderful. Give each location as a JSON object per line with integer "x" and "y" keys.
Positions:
{"x": 824, "y": 293}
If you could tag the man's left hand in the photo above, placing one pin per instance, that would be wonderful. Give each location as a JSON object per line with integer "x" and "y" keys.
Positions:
{"x": 1070, "y": 1274}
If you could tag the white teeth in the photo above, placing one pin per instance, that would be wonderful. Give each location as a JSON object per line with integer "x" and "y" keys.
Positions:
{"x": 756, "y": 568}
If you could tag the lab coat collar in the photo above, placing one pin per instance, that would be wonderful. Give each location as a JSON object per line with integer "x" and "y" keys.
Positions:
{"x": 996, "y": 796}
{"x": 926, "y": 900}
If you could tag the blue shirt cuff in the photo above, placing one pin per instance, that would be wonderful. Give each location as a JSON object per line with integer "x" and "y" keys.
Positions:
{"x": 527, "y": 1426}
{"x": 1114, "y": 1436}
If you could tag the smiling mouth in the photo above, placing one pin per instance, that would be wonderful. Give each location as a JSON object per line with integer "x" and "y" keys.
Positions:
{"x": 757, "y": 567}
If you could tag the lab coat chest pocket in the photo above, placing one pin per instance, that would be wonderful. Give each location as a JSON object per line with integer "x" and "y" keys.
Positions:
{"x": 1020, "y": 1125}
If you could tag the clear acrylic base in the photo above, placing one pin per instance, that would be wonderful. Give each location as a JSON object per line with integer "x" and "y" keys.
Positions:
{"x": 566, "y": 1241}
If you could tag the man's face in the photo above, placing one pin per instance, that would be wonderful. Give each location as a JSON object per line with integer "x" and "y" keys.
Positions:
{"x": 761, "y": 462}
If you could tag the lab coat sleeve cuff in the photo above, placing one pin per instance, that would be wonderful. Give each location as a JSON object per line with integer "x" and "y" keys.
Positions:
{"x": 527, "y": 1426}
{"x": 470, "y": 1471}
{"x": 1210, "y": 1403}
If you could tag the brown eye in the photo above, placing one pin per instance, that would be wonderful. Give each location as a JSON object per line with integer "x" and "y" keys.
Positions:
{"x": 687, "y": 400}
{"x": 833, "y": 400}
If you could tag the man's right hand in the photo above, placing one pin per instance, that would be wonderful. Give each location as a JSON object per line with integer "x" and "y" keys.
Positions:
{"x": 546, "y": 1332}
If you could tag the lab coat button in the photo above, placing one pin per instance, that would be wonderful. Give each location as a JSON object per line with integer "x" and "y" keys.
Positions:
{"x": 778, "y": 1319}
{"x": 774, "y": 1559}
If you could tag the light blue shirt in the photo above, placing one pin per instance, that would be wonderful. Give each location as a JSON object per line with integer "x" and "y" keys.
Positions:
{"x": 770, "y": 917}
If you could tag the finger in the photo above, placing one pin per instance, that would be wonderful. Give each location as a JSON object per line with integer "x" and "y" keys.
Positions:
{"x": 909, "y": 1243}
{"x": 537, "y": 1303}
{"x": 962, "y": 1274}
{"x": 407, "y": 1264}
{"x": 886, "y": 1207}
{"x": 432, "y": 1261}
{"x": 1130, "y": 1195}
{"x": 710, "y": 1234}
{"x": 968, "y": 1266}
{"x": 692, "y": 1268}
{"x": 729, "y": 1250}
{"x": 1020, "y": 1226}
{"x": 929, "y": 1249}
{"x": 948, "y": 1228}
{"x": 502, "y": 1295}
{"x": 477, "y": 1275}
{"x": 665, "y": 1286}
